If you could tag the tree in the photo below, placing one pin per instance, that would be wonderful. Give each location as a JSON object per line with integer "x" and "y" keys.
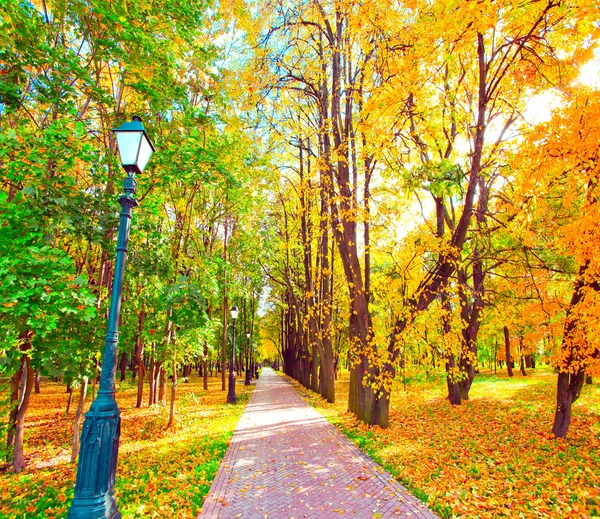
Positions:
{"x": 556, "y": 177}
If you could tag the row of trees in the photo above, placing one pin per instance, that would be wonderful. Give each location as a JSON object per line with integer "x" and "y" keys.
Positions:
{"x": 70, "y": 72}
{"x": 419, "y": 203}
{"x": 407, "y": 207}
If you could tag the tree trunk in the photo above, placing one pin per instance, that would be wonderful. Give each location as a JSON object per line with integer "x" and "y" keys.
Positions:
{"x": 162, "y": 387}
{"x": 225, "y": 310}
{"x": 568, "y": 391}
{"x": 522, "y": 362}
{"x": 152, "y": 381}
{"x": 454, "y": 395}
{"x": 378, "y": 409}
{"x": 452, "y": 370}
{"x": 37, "y": 382}
{"x": 18, "y": 462}
{"x": 141, "y": 370}
{"x": 78, "y": 417}
{"x": 139, "y": 358}
{"x": 70, "y": 398}
{"x": 507, "y": 349}
{"x": 15, "y": 383}
{"x": 173, "y": 395}
{"x": 95, "y": 381}
{"x": 205, "y": 370}
{"x": 328, "y": 370}
{"x": 314, "y": 369}
{"x": 571, "y": 376}
{"x": 123, "y": 365}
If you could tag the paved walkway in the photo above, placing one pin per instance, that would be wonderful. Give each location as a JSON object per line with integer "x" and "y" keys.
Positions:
{"x": 286, "y": 461}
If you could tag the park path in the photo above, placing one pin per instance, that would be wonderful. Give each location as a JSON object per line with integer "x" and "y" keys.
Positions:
{"x": 286, "y": 461}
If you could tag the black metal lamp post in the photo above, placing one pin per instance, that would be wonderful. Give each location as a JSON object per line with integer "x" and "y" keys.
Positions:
{"x": 97, "y": 465}
{"x": 249, "y": 362}
{"x": 231, "y": 397}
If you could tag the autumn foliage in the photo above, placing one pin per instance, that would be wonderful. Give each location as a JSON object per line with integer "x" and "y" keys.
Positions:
{"x": 493, "y": 457}
{"x": 161, "y": 472}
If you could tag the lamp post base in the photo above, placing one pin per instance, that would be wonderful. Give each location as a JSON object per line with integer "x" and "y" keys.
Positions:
{"x": 231, "y": 397}
{"x": 94, "y": 496}
{"x": 94, "y": 507}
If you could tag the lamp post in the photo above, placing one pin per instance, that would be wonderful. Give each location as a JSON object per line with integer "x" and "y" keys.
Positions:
{"x": 231, "y": 398}
{"x": 97, "y": 464}
{"x": 249, "y": 362}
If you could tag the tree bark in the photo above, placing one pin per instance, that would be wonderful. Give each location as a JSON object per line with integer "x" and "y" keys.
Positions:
{"x": 139, "y": 358}
{"x": 173, "y": 395}
{"x": 225, "y": 310}
{"x": 70, "y": 397}
{"x": 123, "y": 365}
{"x": 141, "y": 371}
{"x": 15, "y": 383}
{"x": 570, "y": 381}
{"x": 78, "y": 417}
{"x": 162, "y": 387}
{"x": 205, "y": 367}
{"x": 18, "y": 463}
{"x": 568, "y": 391}
{"x": 152, "y": 381}
{"x": 507, "y": 349}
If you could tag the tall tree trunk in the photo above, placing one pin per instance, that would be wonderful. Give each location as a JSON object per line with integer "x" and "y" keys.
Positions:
{"x": 139, "y": 358}
{"x": 173, "y": 395}
{"x": 507, "y": 349}
{"x": 314, "y": 368}
{"x": 225, "y": 310}
{"x": 452, "y": 378}
{"x": 162, "y": 386}
{"x": 205, "y": 367}
{"x": 570, "y": 381}
{"x": 15, "y": 383}
{"x": 523, "y": 371}
{"x": 123, "y": 365}
{"x": 70, "y": 397}
{"x": 568, "y": 390}
{"x": 327, "y": 388}
{"x": 78, "y": 417}
{"x": 18, "y": 462}
{"x": 37, "y": 382}
{"x": 152, "y": 380}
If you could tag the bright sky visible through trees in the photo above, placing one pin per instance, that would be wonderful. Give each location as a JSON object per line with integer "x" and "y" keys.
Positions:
{"x": 404, "y": 194}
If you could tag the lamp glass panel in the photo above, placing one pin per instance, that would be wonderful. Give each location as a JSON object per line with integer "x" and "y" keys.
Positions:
{"x": 234, "y": 312}
{"x": 129, "y": 145}
{"x": 145, "y": 152}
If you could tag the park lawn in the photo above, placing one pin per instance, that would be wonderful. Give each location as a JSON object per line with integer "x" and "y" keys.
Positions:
{"x": 160, "y": 473}
{"x": 493, "y": 456}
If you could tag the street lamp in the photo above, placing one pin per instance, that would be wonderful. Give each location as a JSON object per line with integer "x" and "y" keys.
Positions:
{"x": 231, "y": 398}
{"x": 248, "y": 362}
{"x": 97, "y": 464}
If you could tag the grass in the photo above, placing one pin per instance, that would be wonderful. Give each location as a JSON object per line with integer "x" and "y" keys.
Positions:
{"x": 160, "y": 473}
{"x": 493, "y": 456}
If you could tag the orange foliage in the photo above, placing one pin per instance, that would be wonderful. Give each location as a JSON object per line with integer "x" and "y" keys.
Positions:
{"x": 491, "y": 457}
{"x": 557, "y": 217}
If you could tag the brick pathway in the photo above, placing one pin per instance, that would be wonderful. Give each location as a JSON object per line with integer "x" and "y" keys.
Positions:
{"x": 286, "y": 461}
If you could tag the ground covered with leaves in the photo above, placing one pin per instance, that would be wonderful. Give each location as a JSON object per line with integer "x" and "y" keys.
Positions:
{"x": 492, "y": 457}
{"x": 160, "y": 473}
